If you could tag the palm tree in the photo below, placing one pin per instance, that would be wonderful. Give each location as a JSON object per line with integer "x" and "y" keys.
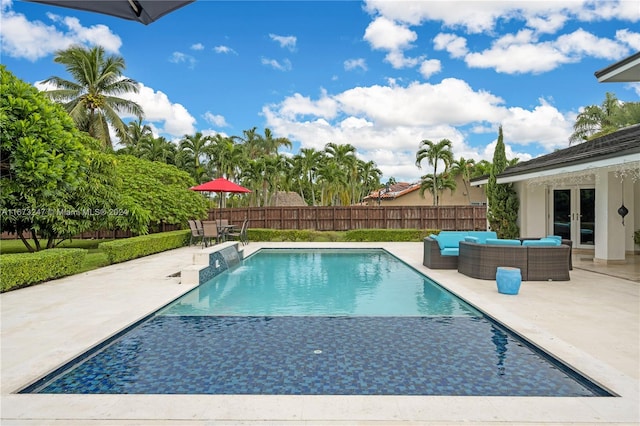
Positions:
{"x": 369, "y": 175}
{"x": 344, "y": 157}
{"x": 463, "y": 167}
{"x": 93, "y": 99}
{"x": 193, "y": 148}
{"x": 435, "y": 152}
{"x": 270, "y": 145}
{"x": 158, "y": 149}
{"x": 599, "y": 120}
{"x": 221, "y": 152}
{"x": 332, "y": 180}
{"x": 307, "y": 163}
{"x": 481, "y": 168}
{"x": 436, "y": 185}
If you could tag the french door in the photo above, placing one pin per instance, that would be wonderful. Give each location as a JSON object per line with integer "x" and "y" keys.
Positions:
{"x": 574, "y": 215}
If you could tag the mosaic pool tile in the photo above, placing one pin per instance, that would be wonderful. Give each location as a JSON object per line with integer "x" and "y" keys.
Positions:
{"x": 320, "y": 355}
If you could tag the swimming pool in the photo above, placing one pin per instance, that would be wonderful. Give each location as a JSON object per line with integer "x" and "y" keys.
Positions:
{"x": 356, "y": 322}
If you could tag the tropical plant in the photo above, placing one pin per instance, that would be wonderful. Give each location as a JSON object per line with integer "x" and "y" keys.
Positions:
{"x": 443, "y": 181}
{"x": 598, "y": 120}
{"x": 157, "y": 149}
{"x": 306, "y": 163}
{"x": 502, "y": 212}
{"x": 434, "y": 153}
{"x": 481, "y": 168}
{"x": 463, "y": 167}
{"x": 54, "y": 185}
{"x": 192, "y": 150}
{"x": 93, "y": 99}
{"x": 161, "y": 191}
{"x": 341, "y": 162}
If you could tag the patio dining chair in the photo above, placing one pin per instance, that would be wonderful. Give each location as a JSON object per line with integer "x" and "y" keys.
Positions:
{"x": 242, "y": 234}
{"x": 196, "y": 234}
{"x": 210, "y": 232}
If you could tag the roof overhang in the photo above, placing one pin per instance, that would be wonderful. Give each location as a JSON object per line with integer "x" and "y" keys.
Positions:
{"x": 626, "y": 70}
{"x": 630, "y": 162}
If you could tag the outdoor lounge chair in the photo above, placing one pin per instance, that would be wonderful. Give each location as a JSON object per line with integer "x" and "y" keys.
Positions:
{"x": 210, "y": 232}
{"x": 242, "y": 234}
{"x": 433, "y": 259}
{"x": 196, "y": 234}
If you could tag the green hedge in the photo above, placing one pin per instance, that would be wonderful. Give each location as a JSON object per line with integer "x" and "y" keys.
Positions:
{"x": 372, "y": 235}
{"x": 391, "y": 235}
{"x": 131, "y": 248}
{"x": 25, "y": 269}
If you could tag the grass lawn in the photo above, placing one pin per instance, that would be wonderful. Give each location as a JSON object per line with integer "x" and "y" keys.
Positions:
{"x": 94, "y": 259}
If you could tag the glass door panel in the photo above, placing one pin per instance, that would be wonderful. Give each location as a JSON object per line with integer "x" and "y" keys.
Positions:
{"x": 587, "y": 216}
{"x": 562, "y": 213}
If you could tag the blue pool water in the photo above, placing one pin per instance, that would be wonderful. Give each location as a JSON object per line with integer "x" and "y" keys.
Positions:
{"x": 318, "y": 322}
{"x": 329, "y": 283}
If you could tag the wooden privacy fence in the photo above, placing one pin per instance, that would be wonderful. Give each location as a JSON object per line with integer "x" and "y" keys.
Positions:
{"x": 448, "y": 218}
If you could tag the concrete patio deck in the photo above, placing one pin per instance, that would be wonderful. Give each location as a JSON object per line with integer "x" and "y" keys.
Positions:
{"x": 591, "y": 322}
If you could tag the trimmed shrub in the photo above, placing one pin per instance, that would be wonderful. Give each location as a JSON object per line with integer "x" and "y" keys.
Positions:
{"x": 132, "y": 248}
{"x": 388, "y": 235}
{"x": 25, "y": 269}
{"x": 371, "y": 235}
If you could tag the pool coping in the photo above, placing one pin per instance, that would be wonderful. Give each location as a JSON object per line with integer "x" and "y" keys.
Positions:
{"x": 31, "y": 347}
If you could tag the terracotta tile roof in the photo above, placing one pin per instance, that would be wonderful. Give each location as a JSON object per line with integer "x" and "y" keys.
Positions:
{"x": 396, "y": 190}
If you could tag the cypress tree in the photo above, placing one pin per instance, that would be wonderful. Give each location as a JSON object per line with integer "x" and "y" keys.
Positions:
{"x": 503, "y": 200}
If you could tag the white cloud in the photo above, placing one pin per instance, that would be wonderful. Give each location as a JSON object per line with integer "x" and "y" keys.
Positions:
{"x": 635, "y": 87}
{"x": 582, "y": 43}
{"x": 386, "y": 123}
{"x": 351, "y": 64}
{"x": 224, "y": 49}
{"x": 430, "y": 67}
{"x": 33, "y": 40}
{"x": 398, "y": 60}
{"x": 197, "y": 46}
{"x": 179, "y": 58}
{"x": 296, "y": 106}
{"x": 455, "y": 45}
{"x": 522, "y": 53}
{"x": 168, "y": 118}
{"x": 484, "y": 16}
{"x": 384, "y": 34}
{"x": 523, "y": 126}
{"x": 215, "y": 119}
{"x": 287, "y": 42}
{"x": 630, "y": 38}
{"x": 285, "y": 65}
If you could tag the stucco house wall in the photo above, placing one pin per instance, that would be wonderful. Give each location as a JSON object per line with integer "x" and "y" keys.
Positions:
{"x": 412, "y": 197}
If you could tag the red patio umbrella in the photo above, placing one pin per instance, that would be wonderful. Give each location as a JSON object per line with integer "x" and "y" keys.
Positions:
{"x": 220, "y": 185}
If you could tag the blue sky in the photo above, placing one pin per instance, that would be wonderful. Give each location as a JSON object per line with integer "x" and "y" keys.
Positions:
{"x": 380, "y": 75}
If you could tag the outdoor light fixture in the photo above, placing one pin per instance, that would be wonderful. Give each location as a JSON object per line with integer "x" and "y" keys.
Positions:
{"x": 623, "y": 211}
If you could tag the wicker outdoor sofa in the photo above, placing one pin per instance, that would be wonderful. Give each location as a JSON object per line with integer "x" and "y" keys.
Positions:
{"x": 536, "y": 263}
{"x": 432, "y": 259}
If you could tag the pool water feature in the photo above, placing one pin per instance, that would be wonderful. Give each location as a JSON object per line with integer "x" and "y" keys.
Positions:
{"x": 319, "y": 336}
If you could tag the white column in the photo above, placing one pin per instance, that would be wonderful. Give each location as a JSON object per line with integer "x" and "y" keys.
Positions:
{"x": 609, "y": 233}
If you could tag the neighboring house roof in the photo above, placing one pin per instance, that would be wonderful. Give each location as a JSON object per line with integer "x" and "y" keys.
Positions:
{"x": 396, "y": 190}
{"x": 288, "y": 199}
{"x": 615, "y": 148}
{"x": 626, "y": 70}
